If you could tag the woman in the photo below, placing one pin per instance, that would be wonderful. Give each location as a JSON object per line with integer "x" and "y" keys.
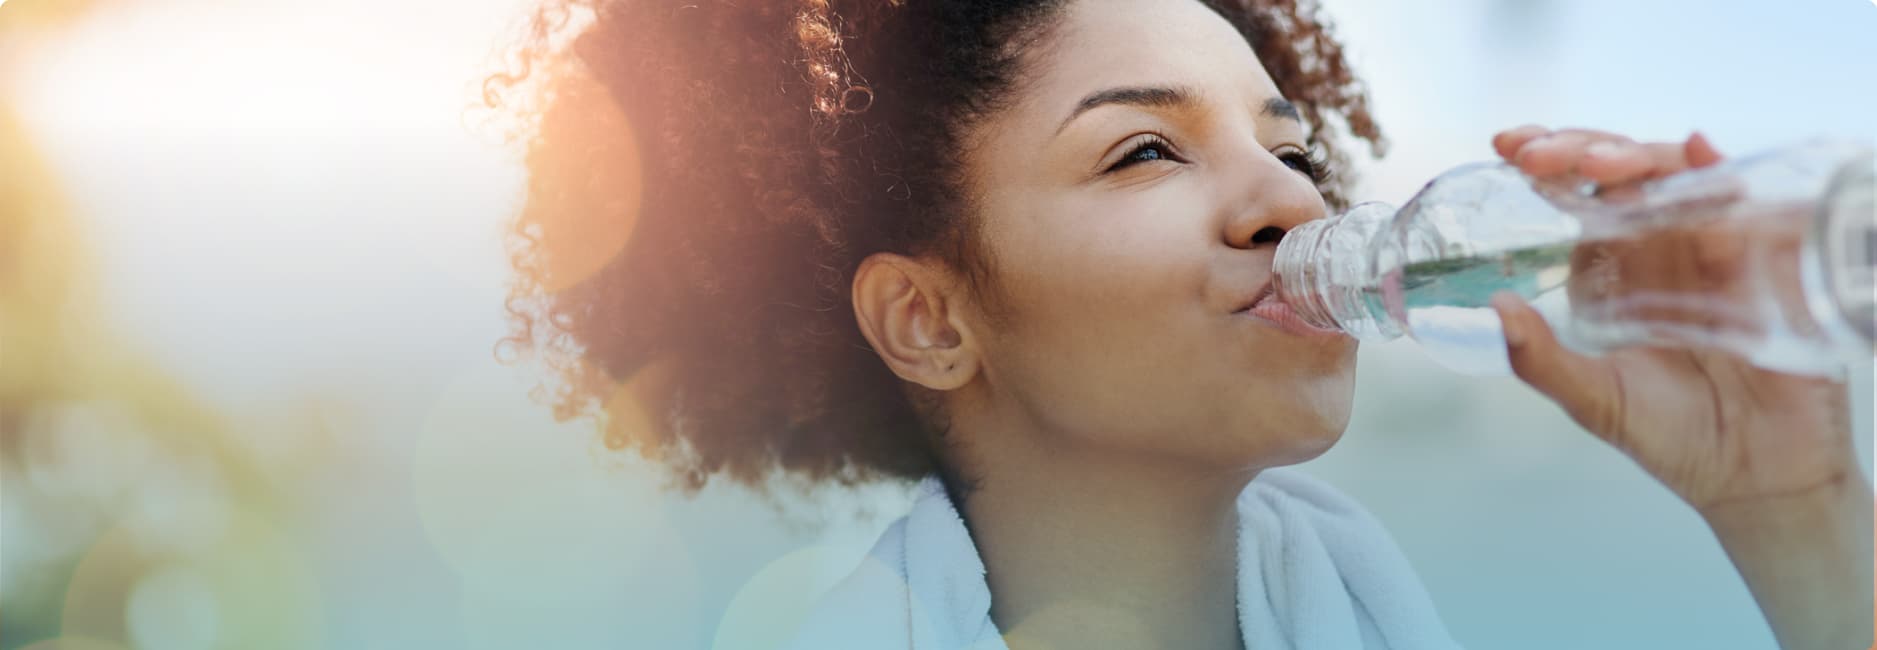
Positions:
{"x": 1020, "y": 247}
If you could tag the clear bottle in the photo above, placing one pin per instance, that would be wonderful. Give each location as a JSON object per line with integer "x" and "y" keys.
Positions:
{"x": 1768, "y": 256}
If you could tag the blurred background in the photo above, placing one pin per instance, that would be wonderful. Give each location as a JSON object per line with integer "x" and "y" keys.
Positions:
{"x": 251, "y": 278}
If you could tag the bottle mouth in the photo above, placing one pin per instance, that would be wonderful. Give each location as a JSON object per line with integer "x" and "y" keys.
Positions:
{"x": 1323, "y": 267}
{"x": 1844, "y": 252}
{"x": 1295, "y": 274}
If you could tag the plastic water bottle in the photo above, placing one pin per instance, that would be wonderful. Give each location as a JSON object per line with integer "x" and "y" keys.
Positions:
{"x": 1768, "y": 256}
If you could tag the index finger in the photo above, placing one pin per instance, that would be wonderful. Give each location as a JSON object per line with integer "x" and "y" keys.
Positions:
{"x": 1509, "y": 141}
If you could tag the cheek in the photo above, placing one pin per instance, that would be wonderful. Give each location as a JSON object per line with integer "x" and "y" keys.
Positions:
{"x": 1181, "y": 395}
{"x": 1095, "y": 280}
{"x": 1102, "y": 321}
{"x": 1111, "y": 337}
{"x": 1078, "y": 269}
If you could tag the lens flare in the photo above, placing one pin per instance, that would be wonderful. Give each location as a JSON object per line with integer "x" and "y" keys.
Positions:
{"x": 496, "y": 480}
{"x": 593, "y": 195}
{"x": 770, "y": 608}
{"x": 173, "y": 608}
{"x": 253, "y": 588}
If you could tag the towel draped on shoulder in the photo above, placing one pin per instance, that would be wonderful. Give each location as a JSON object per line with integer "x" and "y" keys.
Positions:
{"x": 1315, "y": 572}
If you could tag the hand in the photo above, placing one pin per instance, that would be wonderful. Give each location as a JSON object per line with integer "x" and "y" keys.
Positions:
{"x": 1718, "y": 431}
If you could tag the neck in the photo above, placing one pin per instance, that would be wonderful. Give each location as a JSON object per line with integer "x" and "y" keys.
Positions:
{"x": 1103, "y": 548}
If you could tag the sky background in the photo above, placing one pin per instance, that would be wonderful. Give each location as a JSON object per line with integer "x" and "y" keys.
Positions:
{"x": 293, "y": 199}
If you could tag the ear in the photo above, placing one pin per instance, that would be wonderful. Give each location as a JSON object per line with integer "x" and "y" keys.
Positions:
{"x": 909, "y": 310}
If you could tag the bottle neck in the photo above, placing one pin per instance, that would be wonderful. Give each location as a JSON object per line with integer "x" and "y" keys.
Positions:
{"x": 1324, "y": 271}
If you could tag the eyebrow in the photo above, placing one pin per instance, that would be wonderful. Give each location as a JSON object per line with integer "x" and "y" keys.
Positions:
{"x": 1165, "y": 97}
{"x": 1279, "y": 107}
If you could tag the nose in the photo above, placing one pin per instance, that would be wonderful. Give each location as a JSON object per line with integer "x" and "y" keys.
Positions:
{"x": 1271, "y": 199}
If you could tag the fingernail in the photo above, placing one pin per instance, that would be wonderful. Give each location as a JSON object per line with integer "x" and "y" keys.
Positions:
{"x": 1515, "y": 131}
{"x": 1603, "y": 150}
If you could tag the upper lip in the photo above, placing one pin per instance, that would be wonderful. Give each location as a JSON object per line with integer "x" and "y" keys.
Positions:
{"x": 1266, "y": 291}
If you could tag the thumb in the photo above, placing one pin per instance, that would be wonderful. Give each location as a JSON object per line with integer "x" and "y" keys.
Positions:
{"x": 1576, "y": 382}
{"x": 1699, "y": 152}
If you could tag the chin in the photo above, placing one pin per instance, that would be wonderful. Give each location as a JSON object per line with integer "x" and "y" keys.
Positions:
{"x": 1299, "y": 434}
{"x": 1333, "y": 357}
{"x": 1293, "y": 410}
{"x": 1259, "y": 445}
{"x": 1309, "y": 447}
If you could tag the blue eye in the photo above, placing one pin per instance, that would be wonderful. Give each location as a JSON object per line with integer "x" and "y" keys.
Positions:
{"x": 1150, "y": 149}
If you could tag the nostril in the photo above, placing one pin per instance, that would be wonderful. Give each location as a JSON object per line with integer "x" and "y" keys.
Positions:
{"x": 1267, "y": 235}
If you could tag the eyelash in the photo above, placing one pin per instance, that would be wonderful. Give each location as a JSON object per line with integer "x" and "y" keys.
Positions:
{"x": 1150, "y": 142}
{"x": 1313, "y": 164}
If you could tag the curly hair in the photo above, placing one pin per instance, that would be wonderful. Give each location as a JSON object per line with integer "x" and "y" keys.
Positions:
{"x": 706, "y": 176}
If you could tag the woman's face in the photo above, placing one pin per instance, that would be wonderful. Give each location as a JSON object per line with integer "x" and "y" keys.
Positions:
{"x": 1129, "y": 195}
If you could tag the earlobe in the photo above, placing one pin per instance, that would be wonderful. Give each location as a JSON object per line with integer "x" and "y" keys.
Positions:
{"x": 906, "y": 310}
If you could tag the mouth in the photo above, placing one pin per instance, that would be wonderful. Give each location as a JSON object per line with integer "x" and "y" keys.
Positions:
{"x": 1264, "y": 294}
{"x": 1265, "y": 309}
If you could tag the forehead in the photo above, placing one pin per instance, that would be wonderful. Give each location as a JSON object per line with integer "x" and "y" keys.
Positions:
{"x": 1099, "y": 44}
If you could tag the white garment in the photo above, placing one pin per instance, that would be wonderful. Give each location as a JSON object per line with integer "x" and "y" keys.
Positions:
{"x": 1316, "y": 572}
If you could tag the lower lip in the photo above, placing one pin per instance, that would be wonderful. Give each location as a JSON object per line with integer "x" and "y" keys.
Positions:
{"x": 1277, "y": 313}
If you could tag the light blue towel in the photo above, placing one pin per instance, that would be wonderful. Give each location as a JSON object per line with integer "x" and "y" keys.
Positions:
{"x": 1316, "y": 572}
